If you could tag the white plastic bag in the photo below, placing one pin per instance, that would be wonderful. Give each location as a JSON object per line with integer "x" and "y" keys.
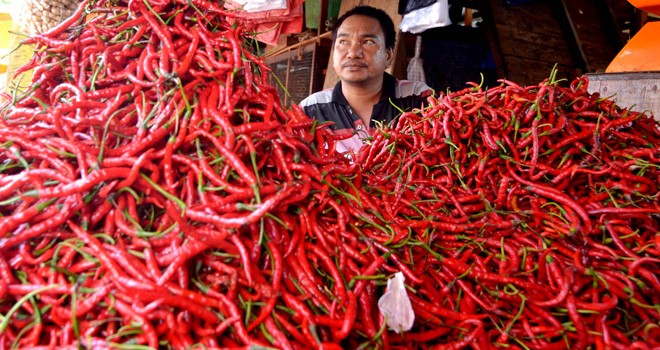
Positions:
{"x": 262, "y": 5}
{"x": 436, "y": 15}
{"x": 395, "y": 305}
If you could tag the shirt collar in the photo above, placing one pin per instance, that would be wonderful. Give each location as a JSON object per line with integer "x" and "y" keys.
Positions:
{"x": 389, "y": 84}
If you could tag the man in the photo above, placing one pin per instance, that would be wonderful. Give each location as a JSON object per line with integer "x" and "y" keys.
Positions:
{"x": 365, "y": 96}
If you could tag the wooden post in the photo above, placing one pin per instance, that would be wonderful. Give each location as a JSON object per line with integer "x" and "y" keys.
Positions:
{"x": 323, "y": 17}
{"x": 568, "y": 28}
{"x": 501, "y": 69}
{"x": 312, "y": 70}
{"x": 286, "y": 81}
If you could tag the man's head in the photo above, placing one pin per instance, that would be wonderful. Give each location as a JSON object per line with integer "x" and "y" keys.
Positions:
{"x": 363, "y": 45}
{"x": 381, "y": 16}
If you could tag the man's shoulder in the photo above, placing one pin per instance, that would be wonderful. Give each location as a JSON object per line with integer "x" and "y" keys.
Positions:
{"x": 323, "y": 96}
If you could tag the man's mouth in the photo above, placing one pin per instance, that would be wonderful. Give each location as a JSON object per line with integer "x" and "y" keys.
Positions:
{"x": 354, "y": 65}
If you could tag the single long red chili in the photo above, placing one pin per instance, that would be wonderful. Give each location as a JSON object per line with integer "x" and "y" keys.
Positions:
{"x": 236, "y": 222}
{"x": 557, "y": 196}
{"x": 147, "y": 327}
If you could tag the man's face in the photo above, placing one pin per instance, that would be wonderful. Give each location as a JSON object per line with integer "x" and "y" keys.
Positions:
{"x": 359, "y": 54}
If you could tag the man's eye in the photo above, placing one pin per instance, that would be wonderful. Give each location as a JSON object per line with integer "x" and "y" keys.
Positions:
{"x": 369, "y": 42}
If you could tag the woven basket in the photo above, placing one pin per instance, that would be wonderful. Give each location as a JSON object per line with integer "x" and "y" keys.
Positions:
{"x": 37, "y": 16}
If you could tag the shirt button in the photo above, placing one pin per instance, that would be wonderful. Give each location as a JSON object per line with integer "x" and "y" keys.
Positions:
{"x": 359, "y": 127}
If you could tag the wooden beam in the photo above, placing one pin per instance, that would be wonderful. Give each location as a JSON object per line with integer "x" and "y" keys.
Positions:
{"x": 320, "y": 30}
{"x": 286, "y": 80}
{"x": 312, "y": 71}
{"x": 613, "y": 29}
{"x": 486, "y": 10}
{"x": 321, "y": 51}
{"x": 567, "y": 26}
{"x": 636, "y": 91}
{"x": 323, "y": 17}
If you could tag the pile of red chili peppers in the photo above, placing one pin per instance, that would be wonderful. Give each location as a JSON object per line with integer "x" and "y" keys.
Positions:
{"x": 528, "y": 217}
{"x": 155, "y": 194}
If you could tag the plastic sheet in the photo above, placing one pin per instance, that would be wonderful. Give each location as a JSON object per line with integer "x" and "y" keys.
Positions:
{"x": 436, "y": 15}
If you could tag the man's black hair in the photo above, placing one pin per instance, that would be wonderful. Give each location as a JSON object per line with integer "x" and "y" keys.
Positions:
{"x": 381, "y": 16}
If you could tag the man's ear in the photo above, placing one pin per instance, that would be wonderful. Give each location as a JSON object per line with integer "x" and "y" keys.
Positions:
{"x": 390, "y": 56}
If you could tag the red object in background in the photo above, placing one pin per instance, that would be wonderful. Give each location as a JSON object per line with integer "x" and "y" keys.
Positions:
{"x": 271, "y": 24}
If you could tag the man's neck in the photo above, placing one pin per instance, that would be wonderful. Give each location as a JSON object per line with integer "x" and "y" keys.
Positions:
{"x": 363, "y": 97}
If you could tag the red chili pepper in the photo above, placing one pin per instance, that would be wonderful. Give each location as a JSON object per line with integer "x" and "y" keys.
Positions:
{"x": 67, "y": 210}
{"x": 557, "y": 196}
{"x": 147, "y": 327}
{"x": 231, "y": 158}
{"x": 236, "y": 222}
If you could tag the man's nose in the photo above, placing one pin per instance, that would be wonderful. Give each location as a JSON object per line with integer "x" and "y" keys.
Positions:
{"x": 355, "y": 50}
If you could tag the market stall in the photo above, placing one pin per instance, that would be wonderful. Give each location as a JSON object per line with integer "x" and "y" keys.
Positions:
{"x": 155, "y": 193}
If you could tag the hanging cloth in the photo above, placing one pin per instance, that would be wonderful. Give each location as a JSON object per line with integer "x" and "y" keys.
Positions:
{"x": 436, "y": 15}
{"x": 269, "y": 25}
{"x": 416, "y": 65}
{"x": 406, "y": 6}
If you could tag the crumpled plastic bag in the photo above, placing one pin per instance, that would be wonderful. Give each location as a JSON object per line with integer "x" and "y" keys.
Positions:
{"x": 420, "y": 20}
{"x": 395, "y": 305}
{"x": 262, "y": 5}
